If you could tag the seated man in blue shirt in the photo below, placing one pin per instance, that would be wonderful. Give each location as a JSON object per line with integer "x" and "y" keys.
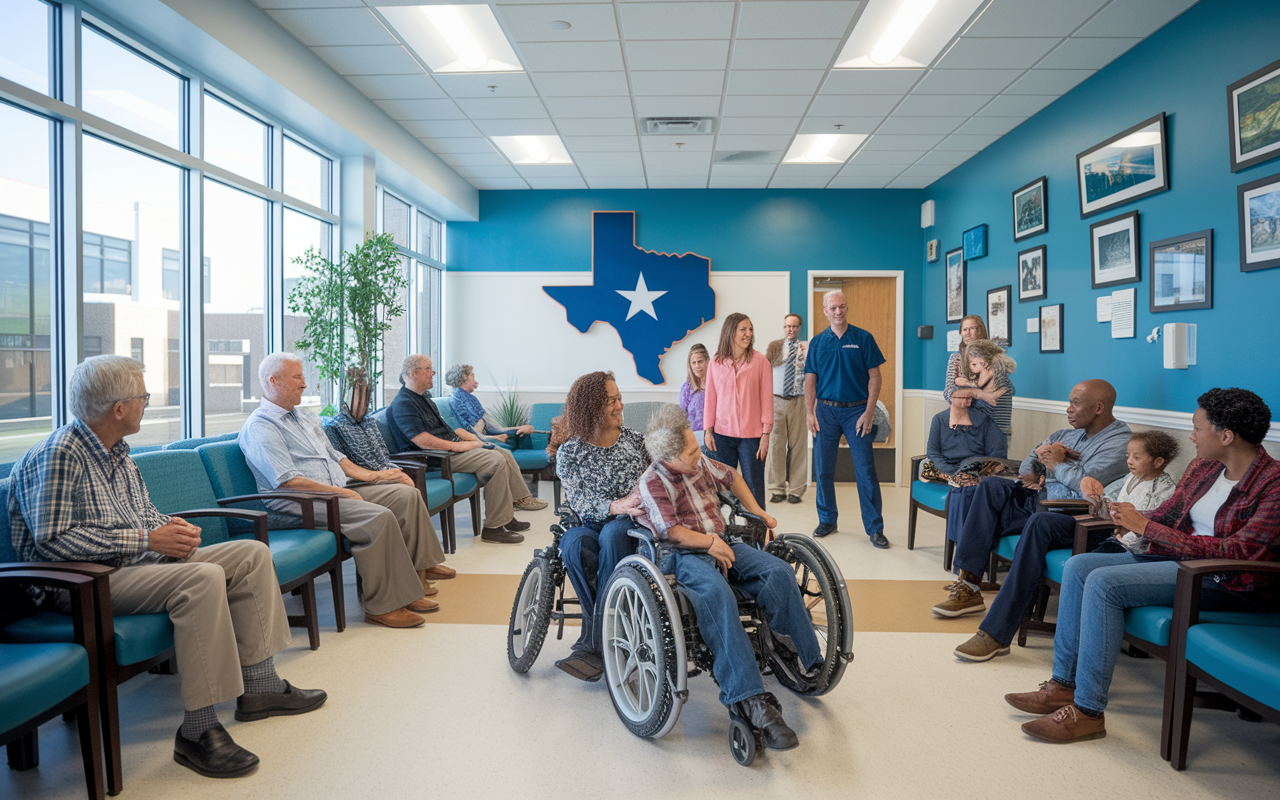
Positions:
{"x": 382, "y": 515}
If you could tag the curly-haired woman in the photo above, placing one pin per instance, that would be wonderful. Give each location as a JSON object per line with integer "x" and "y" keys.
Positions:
{"x": 598, "y": 462}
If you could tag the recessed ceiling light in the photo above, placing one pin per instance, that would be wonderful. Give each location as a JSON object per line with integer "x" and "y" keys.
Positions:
{"x": 910, "y": 14}
{"x": 455, "y": 31}
{"x": 454, "y": 38}
{"x": 903, "y": 34}
{"x": 530, "y": 150}
{"x": 823, "y": 148}
{"x": 560, "y": 25}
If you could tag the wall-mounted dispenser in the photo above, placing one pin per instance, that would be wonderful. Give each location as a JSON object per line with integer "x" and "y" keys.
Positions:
{"x": 1179, "y": 345}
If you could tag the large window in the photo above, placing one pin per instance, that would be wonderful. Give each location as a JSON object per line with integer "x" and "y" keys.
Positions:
{"x": 235, "y": 141}
{"x": 24, "y": 43}
{"x": 307, "y": 175}
{"x": 417, "y": 236}
{"x": 302, "y": 232}
{"x": 134, "y": 92}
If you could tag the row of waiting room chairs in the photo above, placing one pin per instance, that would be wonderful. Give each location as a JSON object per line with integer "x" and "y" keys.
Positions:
{"x": 1236, "y": 653}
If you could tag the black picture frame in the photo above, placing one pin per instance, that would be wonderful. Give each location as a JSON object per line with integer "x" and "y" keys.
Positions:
{"x": 1033, "y": 275}
{"x": 1115, "y": 261}
{"x": 1165, "y": 285}
{"x": 975, "y": 242}
{"x": 955, "y": 296}
{"x": 1031, "y": 209}
{"x": 999, "y": 313}
{"x": 1146, "y": 141}
{"x": 1051, "y": 337}
{"x": 1266, "y": 193}
{"x": 1266, "y": 83}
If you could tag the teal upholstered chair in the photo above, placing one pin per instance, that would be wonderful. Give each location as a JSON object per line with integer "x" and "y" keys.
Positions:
{"x": 465, "y": 485}
{"x": 192, "y": 444}
{"x": 532, "y": 463}
{"x": 178, "y": 484}
{"x": 540, "y": 416}
{"x": 930, "y": 497}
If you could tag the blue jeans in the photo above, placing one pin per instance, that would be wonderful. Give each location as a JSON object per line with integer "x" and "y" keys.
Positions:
{"x": 832, "y": 422}
{"x": 590, "y": 554}
{"x": 1044, "y": 531}
{"x": 741, "y": 455}
{"x": 756, "y": 574}
{"x": 996, "y": 508}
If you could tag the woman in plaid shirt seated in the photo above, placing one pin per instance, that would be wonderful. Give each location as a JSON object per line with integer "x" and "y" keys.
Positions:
{"x": 680, "y": 503}
{"x": 1227, "y": 505}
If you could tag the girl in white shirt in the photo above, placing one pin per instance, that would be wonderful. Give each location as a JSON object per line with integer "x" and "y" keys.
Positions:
{"x": 1147, "y": 485}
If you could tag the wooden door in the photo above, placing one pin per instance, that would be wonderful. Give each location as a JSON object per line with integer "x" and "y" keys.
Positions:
{"x": 873, "y": 306}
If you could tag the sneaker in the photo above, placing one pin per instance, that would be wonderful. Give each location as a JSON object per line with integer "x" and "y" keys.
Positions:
{"x": 516, "y": 526}
{"x": 963, "y": 600}
{"x": 824, "y": 529}
{"x": 981, "y": 647}
{"x": 1067, "y": 724}
{"x": 777, "y": 498}
{"x": 1050, "y": 697}
{"x": 878, "y": 540}
{"x": 530, "y": 503}
{"x": 501, "y": 536}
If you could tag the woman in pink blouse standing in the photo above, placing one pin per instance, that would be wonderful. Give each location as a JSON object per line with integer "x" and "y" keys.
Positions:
{"x": 738, "y": 413}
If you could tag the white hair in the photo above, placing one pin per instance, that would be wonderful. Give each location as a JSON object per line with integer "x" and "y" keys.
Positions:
{"x": 272, "y": 364}
{"x": 98, "y": 383}
{"x": 828, "y": 295}
{"x": 664, "y": 436}
{"x": 411, "y": 363}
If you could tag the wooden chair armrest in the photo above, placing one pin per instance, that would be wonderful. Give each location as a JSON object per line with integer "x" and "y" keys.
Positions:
{"x": 259, "y": 518}
{"x": 305, "y": 499}
{"x": 1086, "y": 529}
{"x": 88, "y": 568}
{"x": 82, "y": 587}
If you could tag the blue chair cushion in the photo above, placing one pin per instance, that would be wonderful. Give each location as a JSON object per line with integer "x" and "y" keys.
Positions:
{"x": 192, "y": 444}
{"x": 1006, "y": 546}
{"x": 463, "y": 482}
{"x": 531, "y": 459}
{"x": 300, "y": 551}
{"x": 1055, "y": 561}
{"x": 138, "y": 636}
{"x": 1244, "y": 657}
{"x": 177, "y": 481}
{"x": 1152, "y": 623}
{"x": 930, "y": 494}
{"x": 445, "y": 406}
{"x": 439, "y": 492}
{"x": 36, "y": 677}
{"x": 540, "y": 416}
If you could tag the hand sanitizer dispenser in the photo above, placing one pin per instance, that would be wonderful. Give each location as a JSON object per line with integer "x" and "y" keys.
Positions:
{"x": 1179, "y": 345}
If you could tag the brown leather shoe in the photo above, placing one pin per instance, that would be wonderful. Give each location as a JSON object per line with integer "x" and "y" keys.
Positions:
{"x": 400, "y": 618}
{"x": 438, "y": 573}
{"x": 429, "y": 589}
{"x": 1051, "y": 697}
{"x": 1067, "y": 724}
{"x": 423, "y": 606}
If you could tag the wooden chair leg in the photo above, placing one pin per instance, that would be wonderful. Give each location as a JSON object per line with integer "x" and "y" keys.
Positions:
{"x": 555, "y": 490}
{"x": 91, "y": 742}
{"x": 475, "y": 515}
{"x": 948, "y": 554}
{"x": 339, "y": 598}
{"x": 110, "y": 718}
{"x": 1184, "y": 693}
{"x": 911, "y": 526}
{"x": 24, "y": 752}
{"x": 309, "y": 612}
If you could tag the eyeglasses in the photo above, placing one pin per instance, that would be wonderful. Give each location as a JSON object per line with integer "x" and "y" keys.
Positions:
{"x": 146, "y": 399}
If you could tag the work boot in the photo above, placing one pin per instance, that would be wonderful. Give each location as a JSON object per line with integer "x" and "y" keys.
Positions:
{"x": 765, "y": 714}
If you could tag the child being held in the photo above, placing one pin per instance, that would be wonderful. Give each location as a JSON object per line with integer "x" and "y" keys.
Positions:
{"x": 1146, "y": 486}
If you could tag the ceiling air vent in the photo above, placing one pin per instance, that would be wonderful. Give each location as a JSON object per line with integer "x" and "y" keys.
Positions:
{"x": 748, "y": 156}
{"x": 672, "y": 126}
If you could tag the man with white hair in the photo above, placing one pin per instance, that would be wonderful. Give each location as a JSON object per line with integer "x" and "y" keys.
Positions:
{"x": 77, "y": 496}
{"x": 381, "y": 511}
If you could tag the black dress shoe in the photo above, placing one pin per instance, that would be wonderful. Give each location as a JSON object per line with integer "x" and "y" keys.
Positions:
{"x": 583, "y": 665}
{"x": 279, "y": 704}
{"x": 793, "y": 499}
{"x": 764, "y": 714}
{"x": 215, "y": 755}
{"x": 824, "y": 529}
{"x": 516, "y": 526}
{"x": 777, "y": 498}
{"x": 880, "y": 541}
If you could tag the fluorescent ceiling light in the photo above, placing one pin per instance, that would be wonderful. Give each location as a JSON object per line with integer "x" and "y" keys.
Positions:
{"x": 530, "y": 150}
{"x": 537, "y": 153}
{"x": 904, "y": 34}
{"x": 451, "y": 26}
{"x": 454, "y": 38}
{"x": 910, "y": 14}
{"x": 823, "y": 148}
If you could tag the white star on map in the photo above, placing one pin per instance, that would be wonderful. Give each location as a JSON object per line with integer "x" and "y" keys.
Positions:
{"x": 641, "y": 299}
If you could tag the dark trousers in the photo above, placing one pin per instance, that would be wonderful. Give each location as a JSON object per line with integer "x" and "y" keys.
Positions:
{"x": 996, "y": 508}
{"x": 741, "y": 455}
{"x": 590, "y": 555}
{"x": 832, "y": 422}
{"x": 1044, "y": 531}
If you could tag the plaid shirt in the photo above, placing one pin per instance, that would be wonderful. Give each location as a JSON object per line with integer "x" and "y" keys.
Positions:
{"x": 73, "y": 500}
{"x": 1246, "y": 527}
{"x": 360, "y": 441}
{"x": 692, "y": 499}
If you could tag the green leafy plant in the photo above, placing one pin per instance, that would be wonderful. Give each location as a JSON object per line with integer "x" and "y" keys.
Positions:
{"x": 510, "y": 412}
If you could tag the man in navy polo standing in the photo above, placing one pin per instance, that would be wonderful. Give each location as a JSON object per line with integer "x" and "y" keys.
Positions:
{"x": 841, "y": 386}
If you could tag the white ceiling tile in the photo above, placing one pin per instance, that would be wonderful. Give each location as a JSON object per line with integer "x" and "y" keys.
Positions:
{"x": 940, "y": 105}
{"x": 910, "y": 183}
{"x": 669, "y": 171}
{"x": 856, "y": 183}
{"x": 502, "y": 108}
{"x": 1078, "y": 53}
{"x": 718, "y": 182}
{"x": 474, "y": 144}
{"x": 740, "y": 142}
{"x": 677, "y": 144}
{"x": 799, "y": 183}
{"x": 591, "y": 160}
{"x": 661, "y": 182}
{"x": 1021, "y": 18}
{"x": 516, "y": 127}
{"x": 948, "y": 158}
{"x": 677, "y": 20}
{"x": 871, "y": 81}
{"x": 486, "y": 172}
{"x": 872, "y": 170}
{"x": 333, "y": 26}
{"x": 267, "y": 4}
{"x": 695, "y": 82}
{"x": 853, "y": 105}
{"x": 686, "y": 160}
{"x": 510, "y": 84}
{"x": 598, "y": 127}
{"x": 606, "y": 171}
{"x": 617, "y": 183}
{"x": 902, "y": 141}
{"x": 578, "y": 107}
{"x": 397, "y": 87}
{"x": 440, "y": 129}
{"x": 572, "y": 56}
{"x": 547, "y": 170}
{"x": 1016, "y": 105}
{"x": 603, "y": 144}
{"x": 743, "y": 170}
{"x": 490, "y": 159}
{"x": 774, "y": 81}
{"x": 795, "y": 19}
{"x": 761, "y": 105}
{"x": 973, "y": 52}
{"x": 370, "y": 60}
{"x": 421, "y": 109}
{"x": 967, "y": 81}
{"x": 582, "y": 84}
{"x": 758, "y": 125}
{"x": 815, "y": 124}
{"x": 901, "y": 158}
{"x": 587, "y": 21}
{"x": 920, "y": 124}
{"x": 499, "y": 184}
{"x": 1001, "y": 125}
{"x": 827, "y": 171}
{"x": 673, "y": 55}
{"x": 926, "y": 171}
{"x": 1139, "y": 18}
{"x": 556, "y": 183}
{"x": 1049, "y": 81}
{"x": 783, "y": 53}
{"x": 678, "y": 106}
{"x": 968, "y": 141}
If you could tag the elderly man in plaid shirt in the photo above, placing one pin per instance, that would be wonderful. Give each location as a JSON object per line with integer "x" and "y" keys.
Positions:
{"x": 679, "y": 502}
{"x": 1227, "y": 505}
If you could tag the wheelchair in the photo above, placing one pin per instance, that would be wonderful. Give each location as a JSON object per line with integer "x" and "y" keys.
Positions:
{"x": 649, "y": 634}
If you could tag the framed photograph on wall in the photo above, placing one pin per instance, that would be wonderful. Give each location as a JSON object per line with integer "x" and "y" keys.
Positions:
{"x": 931, "y": 251}
{"x": 1132, "y": 164}
{"x": 1182, "y": 272}
{"x": 975, "y": 242}
{"x": 1033, "y": 274}
{"x": 1031, "y": 209}
{"x": 1259, "y": 224}
{"x": 998, "y": 328}
{"x": 1114, "y": 248}
{"x": 955, "y": 285}
{"x": 1051, "y": 329}
{"x": 1253, "y": 103}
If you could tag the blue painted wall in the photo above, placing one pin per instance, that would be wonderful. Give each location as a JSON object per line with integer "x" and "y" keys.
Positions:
{"x": 1182, "y": 70}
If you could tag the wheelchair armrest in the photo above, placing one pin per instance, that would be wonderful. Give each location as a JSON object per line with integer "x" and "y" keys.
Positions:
{"x": 569, "y": 518}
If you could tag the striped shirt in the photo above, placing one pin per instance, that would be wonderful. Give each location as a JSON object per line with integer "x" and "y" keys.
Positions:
{"x": 690, "y": 499}
{"x": 74, "y": 500}
{"x": 281, "y": 445}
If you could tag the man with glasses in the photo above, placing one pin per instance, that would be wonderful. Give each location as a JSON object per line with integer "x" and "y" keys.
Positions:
{"x": 77, "y": 496}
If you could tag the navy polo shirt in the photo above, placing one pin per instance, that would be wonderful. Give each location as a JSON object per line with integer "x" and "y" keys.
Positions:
{"x": 841, "y": 364}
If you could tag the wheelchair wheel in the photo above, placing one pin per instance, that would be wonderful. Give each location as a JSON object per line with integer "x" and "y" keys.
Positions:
{"x": 742, "y": 742}
{"x": 826, "y": 597}
{"x": 638, "y": 648}
{"x": 530, "y": 615}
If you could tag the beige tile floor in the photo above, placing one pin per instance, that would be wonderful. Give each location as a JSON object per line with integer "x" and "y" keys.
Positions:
{"x": 436, "y": 712}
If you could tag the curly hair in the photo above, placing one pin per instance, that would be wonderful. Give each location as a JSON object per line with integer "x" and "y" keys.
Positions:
{"x": 1158, "y": 444}
{"x": 583, "y": 410}
{"x": 964, "y": 346}
{"x": 457, "y": 375}
{"x": 664, "y": 436}
{"x": 724, "y": 352}
{"x": 991, "y": 353}
{"x": 1238, "y": 410}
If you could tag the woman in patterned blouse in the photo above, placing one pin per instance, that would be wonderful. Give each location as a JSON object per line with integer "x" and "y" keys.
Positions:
{"x": 598, "y": 462}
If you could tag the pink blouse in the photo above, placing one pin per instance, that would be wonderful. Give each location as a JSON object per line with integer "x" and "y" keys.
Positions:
{"x": 740, "y": 403}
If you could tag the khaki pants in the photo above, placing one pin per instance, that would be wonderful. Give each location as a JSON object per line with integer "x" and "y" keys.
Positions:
{"x": 498, "y": 473}
{"x": 224, "y": 602}
{"x": 787, "y": 465}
